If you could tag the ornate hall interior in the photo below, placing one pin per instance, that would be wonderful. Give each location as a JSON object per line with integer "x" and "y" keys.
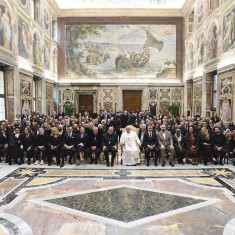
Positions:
{"x": 111, "y": 56}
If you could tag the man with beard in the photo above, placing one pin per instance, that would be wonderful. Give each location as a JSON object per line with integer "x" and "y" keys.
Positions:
{"x": 218, "y": 144}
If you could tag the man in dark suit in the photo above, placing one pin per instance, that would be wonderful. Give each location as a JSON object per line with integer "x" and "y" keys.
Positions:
{"x": 166, "y": 144}
{"x": 178, "y": 142}
{"x": 215, "y": 119}
{"x": 54, "y": 115}
{"x": 69, "y": 143}
{"x": 150, "y": 143}
{"x": 110, "y": 143}
{"x": 28, "y": 143}
{"x": 61, "y": 113}
{"x": 124, "y": 119}
{"x": 218, "y": 144}
{"x": 94, "y": 145}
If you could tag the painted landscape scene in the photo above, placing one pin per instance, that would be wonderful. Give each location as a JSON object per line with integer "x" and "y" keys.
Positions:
{"x": 120, "y": 51}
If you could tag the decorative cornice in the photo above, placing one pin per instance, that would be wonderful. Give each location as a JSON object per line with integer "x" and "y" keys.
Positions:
{"x": 119, "y": 12}
{"x": 54, "y": 6}
{"x": 226, "y": 68}
{"x": 187, "y": 6}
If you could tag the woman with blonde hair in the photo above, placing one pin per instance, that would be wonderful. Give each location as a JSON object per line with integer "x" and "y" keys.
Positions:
{"x": 204, "y": 142}
{"x": 82, "y": 145}
{"x": 55, "y": 142}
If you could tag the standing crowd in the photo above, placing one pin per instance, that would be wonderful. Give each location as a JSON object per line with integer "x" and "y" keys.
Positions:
{"x": 39, "y": 139}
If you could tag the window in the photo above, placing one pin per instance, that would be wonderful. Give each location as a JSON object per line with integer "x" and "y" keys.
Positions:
{"x": 2, "y": 97}
{"x": 215, "y": 94}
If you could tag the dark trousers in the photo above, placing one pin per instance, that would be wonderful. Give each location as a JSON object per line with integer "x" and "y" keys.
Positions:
{"x": 97, "y": 154}
{"x": 37, "y": 153}
{"x": 56, "y": 153}
{"x": 219, "y": 155}
{"x": 106, "y": 154}
{"x": 29, "y": 153}
{"x": 11, "y": 154}
{"x": 65, "y": 152}
{"x": 155, "y": 151}
{"x": 206, "y": 152}
{"x": 180, "y": 154}
{"x": 19, "y": 153}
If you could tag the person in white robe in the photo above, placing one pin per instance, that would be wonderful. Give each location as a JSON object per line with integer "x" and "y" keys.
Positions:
{"x": 130, "y": 145}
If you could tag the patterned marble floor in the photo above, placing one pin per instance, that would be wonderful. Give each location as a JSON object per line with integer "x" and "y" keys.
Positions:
{"x": 117, "y": 201}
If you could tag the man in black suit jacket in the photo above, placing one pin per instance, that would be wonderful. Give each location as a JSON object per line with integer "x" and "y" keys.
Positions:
{"x": 178, "y": 143}
{"x": 215, "y": 119}
{"x": 61, "y": 113}
{"x": 69, "y": 144}
{"x": 54, "y": 115}
{"x": 41, "y": 145}
{"x": 110, "y": 143}
{"x": 124, "y": 119}
{"x": 94, "y": 145}
{"x": 150, "y": 143}
{"x": 28, "y": 140}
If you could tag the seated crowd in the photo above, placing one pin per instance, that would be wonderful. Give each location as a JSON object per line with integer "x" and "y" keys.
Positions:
{"x": 39, "y": 139}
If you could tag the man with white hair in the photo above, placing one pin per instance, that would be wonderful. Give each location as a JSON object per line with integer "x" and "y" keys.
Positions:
{"x": 130, "y": 145}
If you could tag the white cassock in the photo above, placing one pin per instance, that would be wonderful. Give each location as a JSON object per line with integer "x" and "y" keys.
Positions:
{"x": 130, "y": 154}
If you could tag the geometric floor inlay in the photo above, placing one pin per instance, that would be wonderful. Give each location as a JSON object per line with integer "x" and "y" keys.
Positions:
{"x": 125, "y": 206}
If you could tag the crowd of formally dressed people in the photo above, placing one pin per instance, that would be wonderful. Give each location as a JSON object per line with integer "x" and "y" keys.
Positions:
{"x": 39, "y": 139}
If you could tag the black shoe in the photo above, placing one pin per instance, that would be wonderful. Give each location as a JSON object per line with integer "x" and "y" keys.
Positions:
{"x": 163, "y": 164}
{"x": 221, "y": 163}
{"x": 108, "y": 165}
{"x": 205, "y": 163}
{"x": 28, "y": 162}
{"x": 49, "y": 164}
{"x": 193, "y": 164}
{"x": 61, "y": 164}
{"x": 155, "y": 164}
{"x": 112, "y": 165}
{"x": 148, "y": 164}
{"x": 96, "y": 162}
{"x": 171, "y": 164}
{"x": 9, "y": 163}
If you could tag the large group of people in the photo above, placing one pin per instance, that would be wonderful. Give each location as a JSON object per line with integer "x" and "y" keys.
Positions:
{"x": 41, "y": 139}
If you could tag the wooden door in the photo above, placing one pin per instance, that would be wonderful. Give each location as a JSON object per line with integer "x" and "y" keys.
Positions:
{"x": 132, "y": 100}
{"x": 86, "y": 104}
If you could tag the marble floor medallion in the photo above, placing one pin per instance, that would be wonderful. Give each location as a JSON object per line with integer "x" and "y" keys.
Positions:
{"x": 126, "y": 206}
{"x": 96, "y": 200}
